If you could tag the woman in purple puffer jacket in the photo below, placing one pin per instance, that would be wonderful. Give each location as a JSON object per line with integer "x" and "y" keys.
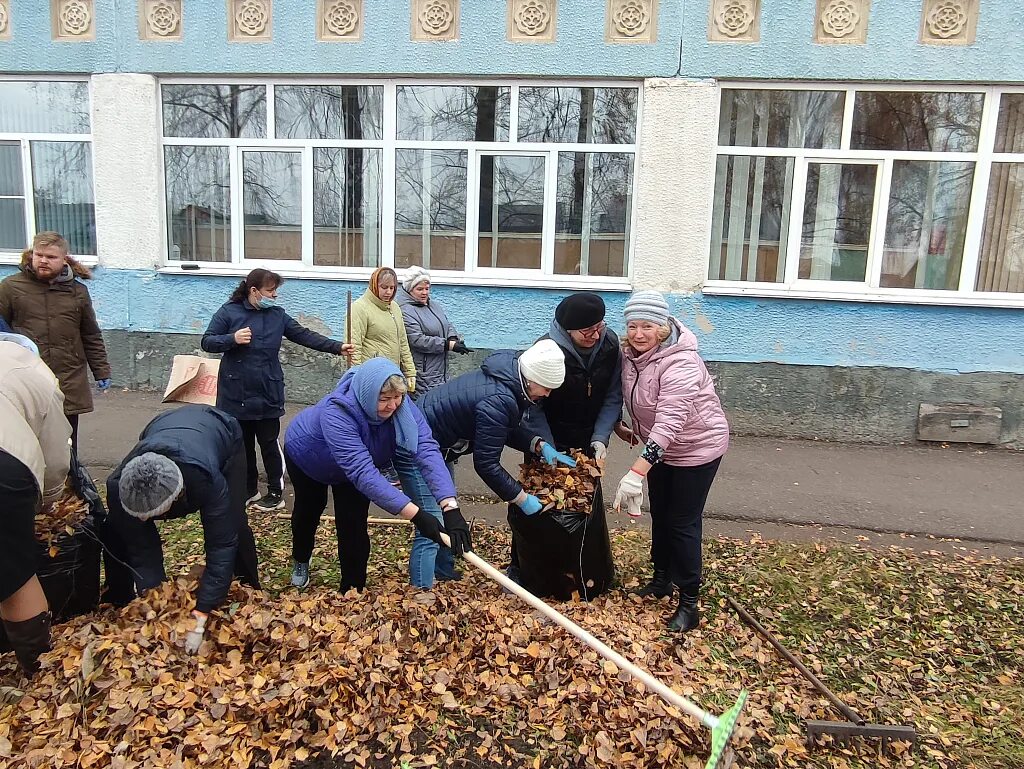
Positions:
{"x": 676, "y": 415}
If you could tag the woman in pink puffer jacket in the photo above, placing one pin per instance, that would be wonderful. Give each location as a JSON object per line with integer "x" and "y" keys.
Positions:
{"x": 676, "y": 414}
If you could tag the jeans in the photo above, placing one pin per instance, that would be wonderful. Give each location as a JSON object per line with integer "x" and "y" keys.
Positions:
{"x": 428, "y": 560}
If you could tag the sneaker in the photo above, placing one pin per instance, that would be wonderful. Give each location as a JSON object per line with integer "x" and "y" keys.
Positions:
{"x": 254, "y": 497}
{"x": 271, "y": 501}
{"x": 300, "y": 575}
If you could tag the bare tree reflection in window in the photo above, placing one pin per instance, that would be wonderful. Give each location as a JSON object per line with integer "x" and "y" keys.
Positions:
{"x": 775, "y": 118}
{"x": 430, "y": 208}
{"x": 453, "y": 113}
{"x": 594, "y": 115}
{"x": 215, "y": 111}
{"x": 329, "y": 112}
{"x": 346, "y": 206}
{"x": 917, "y": 120}
{"x": 198, "y": 203}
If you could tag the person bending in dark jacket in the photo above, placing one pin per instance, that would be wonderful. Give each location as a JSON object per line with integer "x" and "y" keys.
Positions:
{"x": 248, "y": 329}
{"x": 188, "y": 459}
{"x": 479, "y": 413}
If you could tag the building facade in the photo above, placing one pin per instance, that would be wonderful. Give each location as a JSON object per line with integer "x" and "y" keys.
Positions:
{"x": 830, "y": 191}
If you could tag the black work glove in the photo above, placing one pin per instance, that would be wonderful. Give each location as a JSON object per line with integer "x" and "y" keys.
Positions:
{"x": 458, "y": 531}
{"x": 459, "y": 346}
{"x": 428, "y": 526}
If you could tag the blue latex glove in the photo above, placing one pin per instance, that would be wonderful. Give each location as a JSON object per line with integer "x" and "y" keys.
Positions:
{"x": 531, "y": 505}
{"x": 549, "y": 455}
{"x": 103, "y": 385}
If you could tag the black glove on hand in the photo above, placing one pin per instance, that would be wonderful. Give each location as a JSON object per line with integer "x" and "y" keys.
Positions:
{"x": 458, "y": 531}
{"x": 428, "y": 526}
{"x": 459, "y": 346}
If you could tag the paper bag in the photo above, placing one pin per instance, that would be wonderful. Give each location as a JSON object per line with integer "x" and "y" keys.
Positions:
{"x": 193, "y": 380}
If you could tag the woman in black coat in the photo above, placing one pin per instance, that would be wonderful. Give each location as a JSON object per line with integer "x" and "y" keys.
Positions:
{"x": 248, "y": 329}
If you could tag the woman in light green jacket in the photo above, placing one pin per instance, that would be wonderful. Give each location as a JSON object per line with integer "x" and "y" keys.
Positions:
{"x": 378, "y": 328}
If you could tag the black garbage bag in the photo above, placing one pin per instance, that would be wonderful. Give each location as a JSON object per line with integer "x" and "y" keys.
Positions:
{"x": 559, "y": 553}
{"x": 71, "y": 575}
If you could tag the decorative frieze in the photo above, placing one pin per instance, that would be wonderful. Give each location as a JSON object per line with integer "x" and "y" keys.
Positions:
{"x": 249, "y": 20}
{"x": 949, "y": 22}
{"x": 160, "y": 19}
{"x": 73, "y": 20}
{"x": 435, "y": 19}
{"x": 339, "y": 20}
{"x": 631, "y": 21}
{"x": 842, "y": 21}
{"x": 5, "y": 19}
{"x": 735, "y": 21}
{"x": 532, "y": 20}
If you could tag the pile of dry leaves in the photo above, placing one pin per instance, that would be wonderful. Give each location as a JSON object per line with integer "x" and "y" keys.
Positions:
{"x": 563, "y": 488}
{"x": 60, "y": 518}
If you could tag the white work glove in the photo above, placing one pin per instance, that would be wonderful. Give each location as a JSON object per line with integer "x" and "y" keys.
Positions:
{"x": 600, "y": 450}
{"x": 194, "y": 638}
{"x": 631, "y": 492}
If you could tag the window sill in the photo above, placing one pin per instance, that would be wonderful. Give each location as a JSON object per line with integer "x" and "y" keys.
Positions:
{"x": 877, "y": 295}
{"x": 13, "y": 259}
{"x": 437, "y": 277}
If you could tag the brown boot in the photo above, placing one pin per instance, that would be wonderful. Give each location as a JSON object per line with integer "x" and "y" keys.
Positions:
{"x": 29, "y": 638}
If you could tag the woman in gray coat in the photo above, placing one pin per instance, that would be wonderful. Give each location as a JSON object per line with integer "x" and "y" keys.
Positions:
{"x": 432, "y": 337}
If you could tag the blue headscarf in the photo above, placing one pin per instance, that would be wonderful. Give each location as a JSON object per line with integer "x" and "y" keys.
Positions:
{"x": 366, "y": 383}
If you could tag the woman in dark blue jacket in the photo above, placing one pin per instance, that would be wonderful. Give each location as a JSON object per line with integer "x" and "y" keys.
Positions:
{"x": 342, "y": 444}
{"x": 248, "y": 330}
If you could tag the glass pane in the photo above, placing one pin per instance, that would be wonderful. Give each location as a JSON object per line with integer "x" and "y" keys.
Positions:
{"x": 591, "y": 115}
{"x": 10, "y": 169}
{"x": 430, "y": 209}
{"x": 329, "y": 111}
{"x": 751, "y": 218}
{"x": 511, "y": 211}
{"x": 593, "y": 197}
{"x": 453, "y": 113}
{"x": 62, "y": 181}
{"x": 914, "y": 120}
{"x": 346, "y": 207}
{"x": 44, "y": 107}
{"x": 12, "y": 224}
{"x": 1001, "y": 267}
{"x": 1010, "y": 128}
{"x": 272, "y": 200}
{"x": 838, "y": 207}
{"x": 215, "y": 111}
{"x": 924, "y": 236}
{"x": 198, "y": 203}
{"x": 772, "y": 118}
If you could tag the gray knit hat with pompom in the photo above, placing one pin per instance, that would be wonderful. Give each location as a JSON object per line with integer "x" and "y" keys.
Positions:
{"x": 149, "y": 485}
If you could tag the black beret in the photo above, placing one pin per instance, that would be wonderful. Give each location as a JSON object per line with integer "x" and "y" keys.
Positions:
{"x": 581, "y": 310}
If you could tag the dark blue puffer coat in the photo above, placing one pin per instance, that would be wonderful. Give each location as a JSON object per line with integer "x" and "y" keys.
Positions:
{"x": 251, "y": 382}
{"x": 480, "y": 412}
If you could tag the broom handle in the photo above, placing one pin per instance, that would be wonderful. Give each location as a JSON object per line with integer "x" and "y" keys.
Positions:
{"x": 747, "y": 617}
{"x": 348, "y": 323}
{"x": 667, "y": 694}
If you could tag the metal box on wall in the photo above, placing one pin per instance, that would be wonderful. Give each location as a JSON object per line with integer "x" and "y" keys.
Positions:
{"x": 959, "y": 423}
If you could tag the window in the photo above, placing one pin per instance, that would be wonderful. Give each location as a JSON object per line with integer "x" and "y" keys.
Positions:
{"x": 46, "y": 164}
{"x": 491, "y": 182}
{"x": 870, "y": 191}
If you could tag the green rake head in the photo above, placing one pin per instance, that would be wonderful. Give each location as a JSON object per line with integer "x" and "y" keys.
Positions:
{"x": 721, "y": 733}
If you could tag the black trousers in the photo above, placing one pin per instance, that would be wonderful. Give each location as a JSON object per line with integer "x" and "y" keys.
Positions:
{"x": 73, "y": 421}
{"x": 18, "y": 546}
{"x": 678, "y": 496}
{"x": 265, "y": 433}
{"x": 351, "y": 509}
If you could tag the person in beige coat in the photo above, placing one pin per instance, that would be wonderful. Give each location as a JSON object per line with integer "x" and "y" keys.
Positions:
{"x": 35, "y": 454}
{"x": 378, "y": 326}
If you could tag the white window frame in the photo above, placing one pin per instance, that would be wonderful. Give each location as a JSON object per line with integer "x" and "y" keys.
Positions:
{"x": 470, "y": 274}
{"x": 872, "y": 291}
{"x": 25, "y": 140}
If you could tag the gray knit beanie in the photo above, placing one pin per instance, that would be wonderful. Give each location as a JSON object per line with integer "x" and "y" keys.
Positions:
{"x": 414, "y": 276}
{"x": 647, "y": 305}
{"x": 149, "y": 485}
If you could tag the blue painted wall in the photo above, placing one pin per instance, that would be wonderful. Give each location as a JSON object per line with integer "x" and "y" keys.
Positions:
{"x": 786, "y": 49}
{"x": 733, "y": 329}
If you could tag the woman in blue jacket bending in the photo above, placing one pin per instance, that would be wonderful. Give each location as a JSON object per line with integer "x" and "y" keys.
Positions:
{"x": 248, "y": 330}
{"x": 342, "y": 443}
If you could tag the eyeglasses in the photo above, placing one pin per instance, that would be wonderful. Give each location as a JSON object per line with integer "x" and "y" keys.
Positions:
{"x": 593, "y": 331}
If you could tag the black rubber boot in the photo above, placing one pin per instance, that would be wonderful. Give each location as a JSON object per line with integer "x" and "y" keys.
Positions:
{"x": 687, "y": 616}
{"x": 660, "y": 585}
{"x": 29, "y": 638}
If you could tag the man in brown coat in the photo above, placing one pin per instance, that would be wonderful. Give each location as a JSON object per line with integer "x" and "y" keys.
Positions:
{"x": 46, "y": 303}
